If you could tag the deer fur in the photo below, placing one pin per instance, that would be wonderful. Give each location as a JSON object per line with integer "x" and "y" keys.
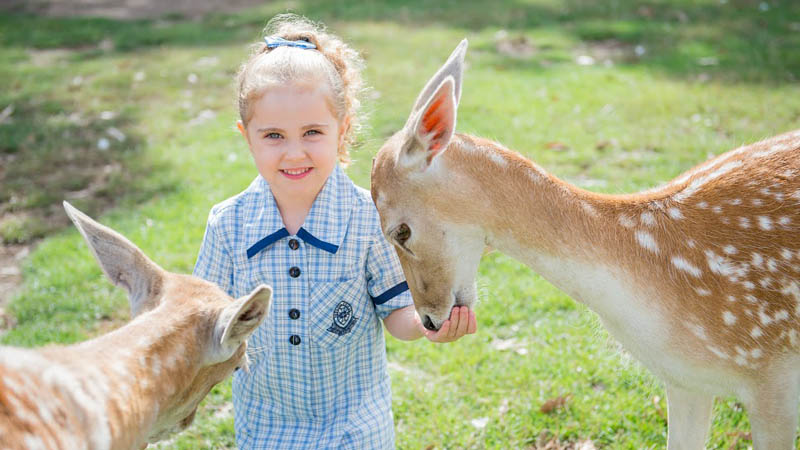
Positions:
{"x": 136, "y": 384}
{"x": 698, "y": 279}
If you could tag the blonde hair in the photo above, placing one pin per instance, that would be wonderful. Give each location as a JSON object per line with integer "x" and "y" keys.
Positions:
{"x": 332, "y": 62}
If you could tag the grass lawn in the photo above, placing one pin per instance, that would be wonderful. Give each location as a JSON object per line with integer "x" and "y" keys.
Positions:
{"x": 134, "y": 123}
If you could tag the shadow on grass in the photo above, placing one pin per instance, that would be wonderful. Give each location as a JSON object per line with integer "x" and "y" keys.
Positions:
{"x": 49, "y": 152}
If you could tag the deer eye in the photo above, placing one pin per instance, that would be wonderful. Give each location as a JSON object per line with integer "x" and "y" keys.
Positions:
{"x": 401, "y": 234}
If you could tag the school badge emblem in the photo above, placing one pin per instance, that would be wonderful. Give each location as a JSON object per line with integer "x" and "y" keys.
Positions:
{"x": 343, "y": 319}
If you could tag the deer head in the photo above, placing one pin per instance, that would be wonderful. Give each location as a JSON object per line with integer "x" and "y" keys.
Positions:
{"x": 438, "y": 250}
{"x": 186, "y": 333}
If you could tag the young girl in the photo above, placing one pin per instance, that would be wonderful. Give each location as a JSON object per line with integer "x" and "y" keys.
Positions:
{"x": 317, "y": 375}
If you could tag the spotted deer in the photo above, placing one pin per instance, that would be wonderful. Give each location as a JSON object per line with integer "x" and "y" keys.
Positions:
{"x": 139, "y": 383}
{"x": 698, "y": 279}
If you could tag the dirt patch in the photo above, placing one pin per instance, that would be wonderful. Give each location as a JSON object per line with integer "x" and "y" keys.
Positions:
{"x": 125, "y": 9}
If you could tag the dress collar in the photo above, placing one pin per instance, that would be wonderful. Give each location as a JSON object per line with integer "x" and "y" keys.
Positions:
{"x": 326, "y": 223}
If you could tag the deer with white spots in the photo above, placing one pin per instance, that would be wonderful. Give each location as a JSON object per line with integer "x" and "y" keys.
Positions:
{"x": 139, "y": 383}
{"x": 699, "y": 279}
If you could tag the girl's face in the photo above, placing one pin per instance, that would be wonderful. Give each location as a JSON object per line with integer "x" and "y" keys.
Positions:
{"x": 294, "y": 138}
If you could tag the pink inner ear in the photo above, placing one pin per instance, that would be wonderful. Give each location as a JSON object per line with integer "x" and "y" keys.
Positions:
{"x": 437, "y": 120}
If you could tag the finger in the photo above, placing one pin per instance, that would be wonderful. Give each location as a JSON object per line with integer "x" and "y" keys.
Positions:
{"x": 455, "y": 318}
{"x": 444, "y": 331}
{"x": 473, "y": 323}
{"x": 463, "y": 322}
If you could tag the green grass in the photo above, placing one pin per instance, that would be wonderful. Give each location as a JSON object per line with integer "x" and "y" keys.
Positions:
{"x": 711, "y": 77}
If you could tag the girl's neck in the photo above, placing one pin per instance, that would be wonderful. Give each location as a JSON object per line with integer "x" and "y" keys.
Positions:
{"x": 293, "y": 212}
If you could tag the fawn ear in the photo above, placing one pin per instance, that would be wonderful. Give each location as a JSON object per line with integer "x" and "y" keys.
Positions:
{"x": 239, "y": 319}
{"x": 122, "y": 262}
{"x": 433, "y": 119}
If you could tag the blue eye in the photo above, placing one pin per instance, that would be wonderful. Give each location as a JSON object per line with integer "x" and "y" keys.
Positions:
{"x": 313, "y": 132}
{"x": 273, "y": 135}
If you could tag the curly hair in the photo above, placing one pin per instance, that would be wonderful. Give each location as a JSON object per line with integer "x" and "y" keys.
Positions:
{"x": 333, "y": 62}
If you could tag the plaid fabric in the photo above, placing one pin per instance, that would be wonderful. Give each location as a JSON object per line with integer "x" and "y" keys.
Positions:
{"x": 317, "y": 374}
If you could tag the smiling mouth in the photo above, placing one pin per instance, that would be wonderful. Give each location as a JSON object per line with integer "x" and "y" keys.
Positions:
{"x": 296, "y": 173}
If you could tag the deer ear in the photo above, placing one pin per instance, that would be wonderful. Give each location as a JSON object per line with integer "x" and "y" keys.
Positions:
{"x": 432, "y": 122}
{"x": 122, "y": 262}
{"x": 239, "y": 319}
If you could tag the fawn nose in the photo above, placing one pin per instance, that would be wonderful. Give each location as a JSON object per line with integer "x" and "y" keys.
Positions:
{"x": 428, "y": 323}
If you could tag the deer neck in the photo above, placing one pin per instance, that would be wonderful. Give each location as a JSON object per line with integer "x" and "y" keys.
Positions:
{"x": 143, "y": 363}
{"x": 566, "y": 234}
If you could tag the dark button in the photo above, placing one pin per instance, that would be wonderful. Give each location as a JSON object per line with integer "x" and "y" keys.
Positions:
{"x": 294, "y": 339}
{"x": 294, "y": 314}
{"x": 293, "y": 244}
{"x": 294, "y": 272}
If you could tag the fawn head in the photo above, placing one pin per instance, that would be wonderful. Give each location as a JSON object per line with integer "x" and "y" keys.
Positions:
{"x": 413, "y": 192}
{"x": 187, "y": 319}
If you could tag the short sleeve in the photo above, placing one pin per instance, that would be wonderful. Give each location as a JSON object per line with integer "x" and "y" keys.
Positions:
{"x": 214, "y": 261}
{"x": 385, "y": 280}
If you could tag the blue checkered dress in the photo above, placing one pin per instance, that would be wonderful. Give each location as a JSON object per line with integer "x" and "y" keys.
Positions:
{"x": 317, "y": 376}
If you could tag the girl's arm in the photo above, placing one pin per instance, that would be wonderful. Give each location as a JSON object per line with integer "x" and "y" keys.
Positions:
{"x": 405, "y": 324}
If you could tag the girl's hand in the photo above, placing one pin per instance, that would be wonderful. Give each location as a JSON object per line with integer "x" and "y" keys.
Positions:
{"x": 462, "y": 321}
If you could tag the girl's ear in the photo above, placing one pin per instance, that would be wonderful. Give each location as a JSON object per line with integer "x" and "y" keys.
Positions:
{"x": 243, "y": 130}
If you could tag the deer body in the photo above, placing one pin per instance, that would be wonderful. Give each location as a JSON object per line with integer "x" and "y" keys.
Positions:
{"x": 136, "y": 384}
{"x": 699, "y": 279}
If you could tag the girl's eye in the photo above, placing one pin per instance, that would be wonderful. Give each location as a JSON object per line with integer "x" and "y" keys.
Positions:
{"x": 313, "y": 132}
{"x": 273, "y": 135}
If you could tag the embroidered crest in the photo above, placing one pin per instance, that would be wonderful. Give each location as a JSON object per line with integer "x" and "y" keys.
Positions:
{"x": 343, "y": 319}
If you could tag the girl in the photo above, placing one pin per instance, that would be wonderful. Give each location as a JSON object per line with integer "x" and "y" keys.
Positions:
{"x": 317, "y": 376}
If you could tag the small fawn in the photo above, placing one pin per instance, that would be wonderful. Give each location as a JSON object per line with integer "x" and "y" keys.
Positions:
{"x": 136, "y": 384}
{"x": 699, "y": 279}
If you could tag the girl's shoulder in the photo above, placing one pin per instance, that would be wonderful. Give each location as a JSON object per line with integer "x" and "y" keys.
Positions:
{"x": 237, "y": 205}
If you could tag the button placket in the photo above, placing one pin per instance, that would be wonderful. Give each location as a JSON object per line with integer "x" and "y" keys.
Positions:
{"x": 296, "y": 327}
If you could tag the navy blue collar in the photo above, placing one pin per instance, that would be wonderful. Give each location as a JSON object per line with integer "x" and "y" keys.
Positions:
{"x": 307, "y": 237}
{"x": 326, "y": 223}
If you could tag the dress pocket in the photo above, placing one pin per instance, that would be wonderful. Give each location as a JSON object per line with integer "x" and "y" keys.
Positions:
{"x": 340, "y": 311}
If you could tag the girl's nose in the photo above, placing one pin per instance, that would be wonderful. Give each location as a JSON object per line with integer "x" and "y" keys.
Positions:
{"x": 295, "y": 151}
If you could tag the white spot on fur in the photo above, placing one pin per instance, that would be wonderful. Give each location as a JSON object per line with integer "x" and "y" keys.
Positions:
{"x": 756, "y": 353}
{"x": 728, "y": 317}
{"x": 589, "y": 209}
{"x": 703, "y": 292}
{"x": 717, "y": 352}
{"x": 691, "y": 243}
{"x": 648, "y": 219}
{"x": 765, "y": 223}
{"x": 758, "y": 260}
{"x": 751, "y": 298}
{"x": 675, "y": 213}
{"x": 696, "y": 184}
{"x": 749, "y": 285}
{"x": 735, "y": 202}
{"x": 698, "y": 331}
{"x": 787, "y": 254}
{"x": 784, "y": 221}
{"x": 744, "y": 222}
{"x": 756, "y": 332}
{"x": 647, "y": 241}
{"x": 765, "y": 318}
{"x": 717, "y": 209}
{"x": 702, "y": 205}
{"x": 686, "y": 266}
{"x": 729, "y": 250}
{"x": 781, "y": 315}
{"x": 757, "y": 202}
{"x": 772, "y": 265}
{"x": 731, "y": 298}
{"x": 626, "y": 221}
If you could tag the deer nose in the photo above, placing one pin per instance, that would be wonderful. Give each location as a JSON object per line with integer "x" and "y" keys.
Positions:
{"x": 428, "y": 323}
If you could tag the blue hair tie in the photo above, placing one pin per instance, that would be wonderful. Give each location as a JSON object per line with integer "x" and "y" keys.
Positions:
{"x": 274, "y": 41}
